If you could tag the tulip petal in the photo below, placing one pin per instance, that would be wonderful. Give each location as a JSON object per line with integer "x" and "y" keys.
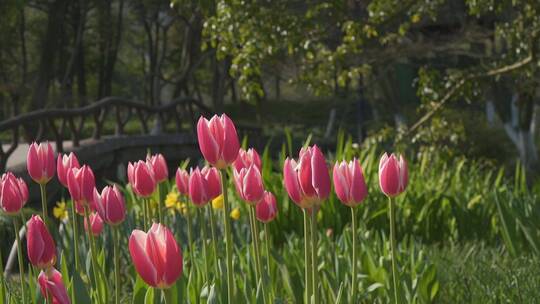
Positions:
{"x": 320, "y": 176}
{"x": 143, "y": 264}
{"x": 290, "y": 178}
{"x": 207, "y": 143}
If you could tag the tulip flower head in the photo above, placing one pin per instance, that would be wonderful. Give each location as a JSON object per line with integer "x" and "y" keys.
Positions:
{"x": 182, "y": 181}
{"x": 64, "y": 164}
{"x": 198, "y": 188}
{"x": 393, "y": 175}
{"x": 159, "y": 165}
{"x": 213, "y": 180}
{"x": 266, "y": 210}
{"x": 349, "y": 183}
{"x": 307, "y": 182}
{"x": 246, "y": 158}
{"x": 81, "y": 185}
{"x": 141, "y": 178}
{"x": 110, "y": 205}
{"x": 96, "y": 224}
{"x": 156, "y": 256}
{"x": 40, "y": 244}
{"x": 218, "y": 140}
{"x": 13, "y": 193}
{"x": 52, "y": 286}
{"x": 249, "y": 184}
{"x": 40, "y": 162}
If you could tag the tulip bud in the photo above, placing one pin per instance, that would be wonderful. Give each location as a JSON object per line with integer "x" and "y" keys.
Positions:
{"x": 156, "y": 256}
{"x": 218, "y": 140}
{"x": 64, "y": 164}
{"x": 96, "y": 224}
{"x": 182, "y": 181}
{"x": 40, "y": 244}
{"x": 40, "y": 162}
{"x": 81, "y": 185}
{"x": 52, "y": 286}
{"x": 307, "y": 182}
{"x": 159, "y": 166}
{"x": 247, "y": 158}
{"x": 249, "y": 184}
{"x": 349, "y": 183}
{"x": 141, "y": 178}
{"x": 393, "y": 175}
{"x": 266, "y": 209}
{"x": 198, "y": 188}
{"x": 110, "y": 205}
{"x": 213, "y": 180}
{"x": 13, "y": 193}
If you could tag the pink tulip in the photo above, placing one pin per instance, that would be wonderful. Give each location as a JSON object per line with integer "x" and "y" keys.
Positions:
{"x": 218, "y": 140}
{"x": 110, "y": 205}
{"x": 307, "y": 182}
{"x": 40, "y": 244}
{"x": 13, "y": 193}
{"x": 156, "y": 256}
{"x": 52, "y": 286}
{"x": 159, "y": 165}
{"x": 246, "y": 158}
{"x": 349, "y": 183}
{"x": 96, "y": 224}
{"x": 141, "y": 178}
{"x": 249, "y": 184}
{"x": 213, "y": 180}
{"x": 40, "y": 162}
{"x": 198, "y": 188}
{"x": 393, "y": 175}
{"x": 64, "y": 164}
{"x": 182, "y": 181}
{"x": 266, "y": 209}
{"x": 81, "y": 185}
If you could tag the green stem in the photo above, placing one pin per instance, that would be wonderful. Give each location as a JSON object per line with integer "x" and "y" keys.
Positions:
{"x": 307, "y": 257}
{"x": 393, "y": 247}
{"x": 353, "y": 278}
{"x": 116, "y": 253}
{"x": 190, "y": 232}
{"x": 168, "y": 295}
{"x": 267, "y": 243}
{"x": 44, "y": 203}
{"x": 159, "y": 204}
{"x": 257, "y": 251}
{"x": 200, "y": 212}
{"x": 213, "y": 231}
{"x": 253, "y": 249}
{"x": 75, "y": 236}
{"x": 228, "y": 237}
{"x": 92, "y": 252}
{"x": 16, "y": 228}
{"x": 145, "y": 214}
{"x": 314, "y": 262}
{"x": 2, "y": 280}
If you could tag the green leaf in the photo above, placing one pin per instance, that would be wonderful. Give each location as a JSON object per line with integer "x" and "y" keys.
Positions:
{"x": 81, "y": 293}
{"x": 139, "y": 291}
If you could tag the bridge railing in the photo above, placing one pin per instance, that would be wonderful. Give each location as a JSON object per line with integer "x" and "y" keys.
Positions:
{"x": 68, "y": 124}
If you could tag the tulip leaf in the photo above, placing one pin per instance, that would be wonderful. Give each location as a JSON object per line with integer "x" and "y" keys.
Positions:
{"x": 340, "y": 293}
{"x": 139, "y": 291}
{"x": 212, "y": 295}
{"x": 152, "y": 296}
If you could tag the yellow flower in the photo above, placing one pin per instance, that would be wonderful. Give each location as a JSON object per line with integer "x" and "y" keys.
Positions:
{"x": 235, "y": 213}
{"x": 415, "y": 18}
{"x": 217, "y": 203}
{"x": 60, "y": 211}
{"x": 171, "y": 200}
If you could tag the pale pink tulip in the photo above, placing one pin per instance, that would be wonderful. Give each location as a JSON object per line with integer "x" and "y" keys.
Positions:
{"x": 81, "y": 184}
{"x": 198, "y": 188}
{"x": 40, "y": 162}
{"x": 182, "y": 181}
{"x": 64, "y": 164}
{"x": 246, "y": 158}
{"x": 213, "y": 181}
{"x": 110, "y": 205}
{"x": 40, "y": 244}
{"x": 141, "y": 178}
{"x": 218, "y": 140}
{"x": 159, "y": 165}
{"x": 393, "y": 175}
{"x": 249, "y": 184}
{"x": 13, "y": 193}
{"x": 349, "y": 183}
{"x": 266, "y": 210}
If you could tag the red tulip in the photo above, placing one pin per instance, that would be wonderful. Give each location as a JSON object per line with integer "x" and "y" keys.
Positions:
{"x": 393, "y": 175}
{"x": 198, "y": 188}
{"x": 96, "y": 224}
{"x": 182, "y": 181}
{"x": 246, "y": 158}
{"x": 40, "y": 244}
{"x": 156, "y": 256}
{"x": 218, "y": 140}
{"x": 307, "y": 182}
{"x": 141, "y": 178}
{"x": 81, "y": 185}
{"x": 249, "y": 184}
{"x": 40, "y": 162}
{"x": 64, "y": 164}
{"x": 349, "y": 183}
{"x": 159, "y": 165}
{"x": 13, "y": 193}
{"x": 110, "y": 205}
{"x": 266, "y": 210}
{"x": 52, "y": 286}
{"x": 213, "y": 180}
